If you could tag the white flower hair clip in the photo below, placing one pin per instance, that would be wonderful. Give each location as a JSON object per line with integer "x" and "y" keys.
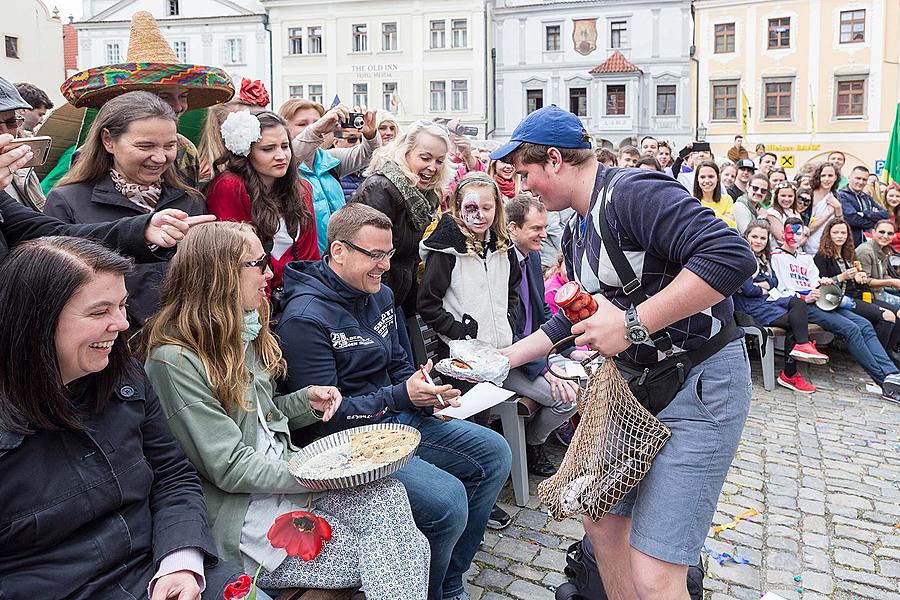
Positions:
{"x": 239, "y": 131}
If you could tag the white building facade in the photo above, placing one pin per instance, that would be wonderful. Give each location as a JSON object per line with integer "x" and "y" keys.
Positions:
{"x": 227, "y": 34}
{"x": 420, "y": 59}
{"x": 623, "y": 67}
{"x": 32, "y": 47}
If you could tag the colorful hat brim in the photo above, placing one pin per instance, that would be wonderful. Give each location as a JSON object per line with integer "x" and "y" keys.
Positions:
{"x": 92, "y": 88}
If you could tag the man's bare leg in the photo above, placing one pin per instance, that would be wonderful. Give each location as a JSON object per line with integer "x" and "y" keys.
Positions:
{"x": 654, "y": 579}
{"x": 609, "y": 537}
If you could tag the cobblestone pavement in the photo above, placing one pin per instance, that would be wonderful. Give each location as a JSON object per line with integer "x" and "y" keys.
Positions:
{"x": 824, "y": 473}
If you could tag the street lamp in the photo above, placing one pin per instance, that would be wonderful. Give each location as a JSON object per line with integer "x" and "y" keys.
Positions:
{"x": 701, "y": 131}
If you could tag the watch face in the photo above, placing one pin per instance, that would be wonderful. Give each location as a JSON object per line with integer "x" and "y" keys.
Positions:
{"x": 637, "y": 335}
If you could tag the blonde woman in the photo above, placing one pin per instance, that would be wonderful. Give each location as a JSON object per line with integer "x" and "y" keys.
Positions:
{"x": 213, "y": 362}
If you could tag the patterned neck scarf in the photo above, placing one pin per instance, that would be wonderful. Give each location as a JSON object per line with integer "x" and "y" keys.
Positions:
{"x": 144, "y": 196}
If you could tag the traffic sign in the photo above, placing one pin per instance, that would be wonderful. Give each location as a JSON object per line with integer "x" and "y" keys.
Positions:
{"x": 787, "y": 161}
{"x": 879, "y": 167}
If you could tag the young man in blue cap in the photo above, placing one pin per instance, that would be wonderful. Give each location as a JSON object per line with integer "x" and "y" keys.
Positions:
{"x": 688, "y": 264}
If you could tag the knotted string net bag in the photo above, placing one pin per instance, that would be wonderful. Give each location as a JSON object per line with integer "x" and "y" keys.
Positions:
{"x": 611, "y": 451}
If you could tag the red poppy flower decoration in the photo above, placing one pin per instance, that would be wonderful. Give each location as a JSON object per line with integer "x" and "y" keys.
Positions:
{"x": 300, "y": 534}
{"x": 253, "y": 93}
{"x": 238, "y": 588}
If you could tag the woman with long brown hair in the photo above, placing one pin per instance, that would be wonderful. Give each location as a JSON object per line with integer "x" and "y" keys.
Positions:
{"x": 213, "y": 361}
{"x": 825, "y": 205}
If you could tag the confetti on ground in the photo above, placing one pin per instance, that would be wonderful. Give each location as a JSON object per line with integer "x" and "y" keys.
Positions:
{"x": 744, "y": 515}
{"x": 726, "y": 556}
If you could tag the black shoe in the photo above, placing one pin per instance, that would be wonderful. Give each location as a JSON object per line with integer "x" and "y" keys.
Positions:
{"x": 538, "y": 463}
{"x": 499, "y": 518}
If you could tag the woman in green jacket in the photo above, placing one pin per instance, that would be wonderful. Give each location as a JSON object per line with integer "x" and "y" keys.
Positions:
{"x": 213, "y": 362}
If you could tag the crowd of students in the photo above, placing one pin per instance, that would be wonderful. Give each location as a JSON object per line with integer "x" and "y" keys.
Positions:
{"x": 286, "y": 319}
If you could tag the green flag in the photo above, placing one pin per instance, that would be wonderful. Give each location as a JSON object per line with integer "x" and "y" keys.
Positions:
{"x": 892, "y": 160}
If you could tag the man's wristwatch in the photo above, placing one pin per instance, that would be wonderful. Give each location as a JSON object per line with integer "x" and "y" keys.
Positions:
{"x": 635, "y": 331}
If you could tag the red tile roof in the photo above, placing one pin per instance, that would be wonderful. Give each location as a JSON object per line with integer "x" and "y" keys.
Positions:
{"x": 70, "y": 46}
{"x": 616, "y": 63}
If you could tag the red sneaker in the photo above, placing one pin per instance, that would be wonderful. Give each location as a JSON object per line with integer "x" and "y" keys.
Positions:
{"x": 809, "y": 353}
{"x": 796, "y": 383}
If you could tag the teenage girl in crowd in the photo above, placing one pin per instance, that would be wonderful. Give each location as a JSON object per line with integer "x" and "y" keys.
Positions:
{"x": 784, "y": 207}
{"x": 264, "y": 188}
{"x": 505, "y": 177}
{"x": 836, "y": 259}
{"x": 555, "y": 278}
{"x": 708, "y": 190}
{"x": 788, "y": 313}
{"x": 892, "y": 204}
{"x": 825, "y": 205}
{"x": 469, "y": 287}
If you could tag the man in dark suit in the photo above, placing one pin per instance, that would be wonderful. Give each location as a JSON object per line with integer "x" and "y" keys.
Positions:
{"x": 528, "y": 228}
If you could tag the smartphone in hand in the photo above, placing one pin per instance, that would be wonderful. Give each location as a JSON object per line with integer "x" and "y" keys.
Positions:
{"x": 40, "y": 145}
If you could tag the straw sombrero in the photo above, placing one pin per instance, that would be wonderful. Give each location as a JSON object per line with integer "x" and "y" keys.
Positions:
{"x": 150, "y": 65}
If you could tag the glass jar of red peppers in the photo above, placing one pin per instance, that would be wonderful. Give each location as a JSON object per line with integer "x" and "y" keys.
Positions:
{"x": 575, "y": 303}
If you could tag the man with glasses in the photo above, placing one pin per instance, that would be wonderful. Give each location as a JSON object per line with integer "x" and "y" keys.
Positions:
{"x": 339, "y": 328}
{"x": 24, "y": 187}
{"x": 860, "y": 211}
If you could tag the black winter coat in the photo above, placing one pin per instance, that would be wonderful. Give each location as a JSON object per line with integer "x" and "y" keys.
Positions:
{"x": 378, "y": 192}
{"x": 89, "y": 514}
{"x": 19, "y": 223}
{"x": 100, "y": 203}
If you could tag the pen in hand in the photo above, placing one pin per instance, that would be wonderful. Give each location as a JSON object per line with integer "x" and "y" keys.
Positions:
{"x": 431, "y": 383}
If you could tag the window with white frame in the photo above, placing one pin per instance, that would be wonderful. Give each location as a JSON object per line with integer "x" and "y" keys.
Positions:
{"x": 438, "y": 34}
{"x": 181, "y": 50}
{"x": 113, "y": 52}
{"x": 850, "y": 96}
{"x": 438, "y": 94}
{"x": 314, "y": 39}
{"x": 172, "y": 8}
{"x": 459, "y": 89}
{"x": 618, "y": 34}
{"x": 234, "y": 51}
{"x": 12, "y": 46}
{"x": 534, "y": 99}
{"x": 724, "y": 101}
{"x": 578, "y": 101}
{"x": 389, "y": 36}
{"x": 316, "y": 93}
{"x": 615, "y": 100}
{"x": 778, "y": 100}
{"x": 665, "y": 100}
{"x": 295, "y": 91}
{"x": 360, "y": 94}
{"x": 389, "y": 95}
{"x": 361, "y": 38}
{"x": 295, "y": 40}
{"x": 459, "y": 29}
{"x": 552, "y": 35}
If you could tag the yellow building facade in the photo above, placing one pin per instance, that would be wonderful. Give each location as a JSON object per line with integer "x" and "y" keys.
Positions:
{"x": 803, "y": 77}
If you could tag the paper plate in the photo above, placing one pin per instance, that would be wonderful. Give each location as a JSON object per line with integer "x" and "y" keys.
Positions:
{"x": 351, "y": 479}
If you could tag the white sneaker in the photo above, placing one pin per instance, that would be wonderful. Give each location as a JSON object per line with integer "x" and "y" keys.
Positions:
{"x": 891, "y": 387}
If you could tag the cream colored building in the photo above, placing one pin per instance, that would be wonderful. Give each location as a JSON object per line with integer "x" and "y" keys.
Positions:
{"x": 817, "y": 74}
{"x": 420, "y": 59}
{"x": 32, "y": 46}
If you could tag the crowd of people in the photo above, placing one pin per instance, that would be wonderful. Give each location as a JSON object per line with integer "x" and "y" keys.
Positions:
{"x": 149, "y": 398}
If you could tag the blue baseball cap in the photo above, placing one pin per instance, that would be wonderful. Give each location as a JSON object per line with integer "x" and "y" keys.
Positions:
{"x": 548, "y": 126}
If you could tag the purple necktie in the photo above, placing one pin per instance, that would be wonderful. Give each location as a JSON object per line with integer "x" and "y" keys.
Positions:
{"x": 526, "y": 296}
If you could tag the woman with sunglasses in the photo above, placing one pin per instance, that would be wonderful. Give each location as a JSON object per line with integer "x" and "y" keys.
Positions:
{"x": 874, "y": 257}
{"x": 804, "y": 204}
{"x": 213, "y": 361}
{"x": 260, "y": 184}
{"x": 749, "y": 206}
{"x": 892, "y": 204}
{"x": 825, "y": 205}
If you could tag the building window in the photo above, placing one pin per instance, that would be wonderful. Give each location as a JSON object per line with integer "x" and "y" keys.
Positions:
{"x": 724, "y": 38}
{"x": 552, "y": 37}
{"x": 615, "y": 100}
{"x": 460, "y": 97}
{"x": 360, "y": 38}
{"x": 778, "y": 100}
{"x": 853, "y": 26}
{"x": 780, "y": 33}
{"x": 724, "y": 102}
{"x": 665, "y": 100}
{"x": 295, "y": 91}
{"x": 578, "y": 101}
{"x": 618, "y": 34}
{"x": 851, "y": 98}
{"x": 438, "y": 34}
{"x": 389, "y": 36}
{"x": 316, "y": 93}
{"x": 113, "y": 52}
{"x": 438, "y": 96}
{"x": 314, "y": 40}
{"x": 181, "y": 53}
{"x": 12, "y": 47}
{"x": 172, "y": 8}
{"x": 360, "y": 94}
{"x": 234, "y": 51}
{"x": 459, "y": 30}
{"x": 534, "y": 99}
{"x": 295, "y": 40}
{"x": 389, "y": 95}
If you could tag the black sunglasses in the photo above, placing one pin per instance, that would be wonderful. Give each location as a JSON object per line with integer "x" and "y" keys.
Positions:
{"x": 260, "y": 263}
{"x": 13, "y": 121}
{"x": 756, "y": 188}
{"x": 376, "y": 255}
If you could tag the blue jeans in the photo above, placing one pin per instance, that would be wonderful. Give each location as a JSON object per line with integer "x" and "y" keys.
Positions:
{"x": 452, "y": 484}
{"x": 862, "y": 341}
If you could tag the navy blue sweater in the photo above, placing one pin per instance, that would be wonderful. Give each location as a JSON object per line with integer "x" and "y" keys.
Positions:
{"x": 333, "y": 334}
{"x": 662, "y": 229}
{"x": 860, "y": 212}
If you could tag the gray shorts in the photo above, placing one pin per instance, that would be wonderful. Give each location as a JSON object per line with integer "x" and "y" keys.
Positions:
{"x": 673, "y": 507}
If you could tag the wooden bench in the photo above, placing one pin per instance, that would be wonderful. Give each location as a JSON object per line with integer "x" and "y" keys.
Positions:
{"x": 766, "y": 338}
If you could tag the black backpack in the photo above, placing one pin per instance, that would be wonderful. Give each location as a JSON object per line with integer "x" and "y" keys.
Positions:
{"x": 584, "y": 577}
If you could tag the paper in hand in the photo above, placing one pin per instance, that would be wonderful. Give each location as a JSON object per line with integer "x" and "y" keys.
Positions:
{"x": 481, "y": 397}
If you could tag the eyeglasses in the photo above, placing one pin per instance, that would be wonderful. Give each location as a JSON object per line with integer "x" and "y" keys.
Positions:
{"x": 375, "y": 255}
{"x": 13, "y": 122}
{"x": 756, "y": 188}
{"x": 803, "y": 199}
{"x": 260, "y": 263}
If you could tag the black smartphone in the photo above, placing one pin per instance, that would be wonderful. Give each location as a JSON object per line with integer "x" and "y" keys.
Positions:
{"x": 354, "y": 121}
{"x": 700, "y": 147}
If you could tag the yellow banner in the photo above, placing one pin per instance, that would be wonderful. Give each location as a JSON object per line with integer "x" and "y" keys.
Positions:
{"x": 745, "y": 110}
